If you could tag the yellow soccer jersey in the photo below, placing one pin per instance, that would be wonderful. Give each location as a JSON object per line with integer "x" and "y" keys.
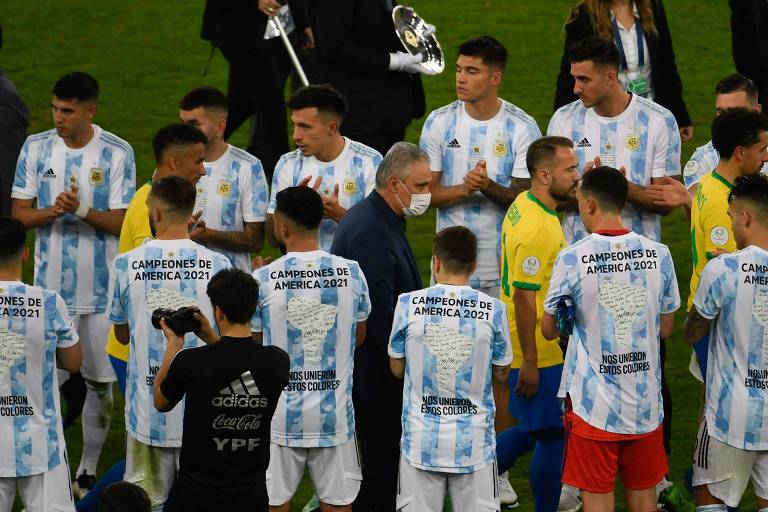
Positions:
{"x": 133, "y": 233}
{"x": 710, "y": 224}
{"x": 531, "y": 237}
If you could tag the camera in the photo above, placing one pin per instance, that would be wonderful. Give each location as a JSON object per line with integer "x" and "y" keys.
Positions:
{"x": 181, "y": 321}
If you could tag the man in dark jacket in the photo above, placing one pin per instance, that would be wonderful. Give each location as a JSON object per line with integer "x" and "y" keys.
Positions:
{"x": 373, "y": 234}
{"x": 749, "y": 41}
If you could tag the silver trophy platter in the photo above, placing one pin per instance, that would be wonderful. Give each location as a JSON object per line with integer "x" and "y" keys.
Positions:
{"x": 413, "y": 33}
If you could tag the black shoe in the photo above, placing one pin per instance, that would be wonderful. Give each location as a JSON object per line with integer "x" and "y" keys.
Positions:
{"x": 83, "y": 485}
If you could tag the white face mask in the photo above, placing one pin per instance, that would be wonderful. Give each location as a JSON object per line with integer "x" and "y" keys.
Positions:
{"x": 419, "y": 202}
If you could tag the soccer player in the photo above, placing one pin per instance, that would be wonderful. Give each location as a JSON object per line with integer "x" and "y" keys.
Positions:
{"x": 313, "y": 305}
{"x": 624, "y": 293}
{"x": 531, "y": 237}
{"x": 230, "y": 389}
{"x": 476, "y": 147}
{"x": 35, "y": 331}
{"x": 232, "y": 197}
{"x": 73, "y": 184}
{"x": 449, "y": 342}
{"x": 170, "y": 271}
{"x": 619, "y": 129}
{"x": 732, "y": 304}
{"x": 740, "y": 137}
{"x": 341, "y": 170}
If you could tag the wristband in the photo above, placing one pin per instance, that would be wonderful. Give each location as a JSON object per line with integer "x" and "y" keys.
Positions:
{"x": 82, "y": 210}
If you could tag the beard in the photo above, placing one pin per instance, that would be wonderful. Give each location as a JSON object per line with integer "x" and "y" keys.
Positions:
{"x": 562, "y": 194}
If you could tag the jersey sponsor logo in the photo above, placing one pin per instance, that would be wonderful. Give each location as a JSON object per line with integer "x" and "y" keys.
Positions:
{"x": 531, "y": 265}
{"x": 632, "y": 142}
{"x": 584, "y": 143}
{"x": 233, "y": 445}
{"x": 245, "y": 422}
{"x": 96, "y": 177}
{"x": 241, "y": 393}
{"x": 454, "y": 144}
{"x": 11, "y": 349}
{"x": 224, "y": 188}
{"x": 349, "y": 187}
{"x": 691, "y": 168}
{"x": 719, "y": 235}
{"x": 500, "y": 148}
{"x": 49, "y": 174}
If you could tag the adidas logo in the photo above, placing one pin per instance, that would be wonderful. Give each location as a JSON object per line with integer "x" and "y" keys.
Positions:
{"x": 49, "y": 174}
{"x": 584, "y": 143}
{"x": 454, "y": 144}
{"x": 241, "y": 392}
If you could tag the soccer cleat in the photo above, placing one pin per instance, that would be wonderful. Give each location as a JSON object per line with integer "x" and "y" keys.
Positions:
{"x": 672, "y": 499}
{"x": 570, "y": 499}
{"x": 83, "y": 485}
{"x": 507, "y": 495}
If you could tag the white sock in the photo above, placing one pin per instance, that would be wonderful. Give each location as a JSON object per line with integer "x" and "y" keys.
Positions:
{"x": 718, "y": 507}
{"x": 97, "y": 415}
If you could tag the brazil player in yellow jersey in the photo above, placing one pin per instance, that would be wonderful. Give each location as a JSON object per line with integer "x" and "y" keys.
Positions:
{"x": 531, "y": 237}
{"x": 740, "y": 137}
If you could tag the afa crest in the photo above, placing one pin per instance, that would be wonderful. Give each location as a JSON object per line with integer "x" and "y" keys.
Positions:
{"x": 349, "y": 187}
{"x": 96, "y": 177}
{"x": 224, "y": 188}
{"x": 499, "y": 148}
{"x": 632, "y": 142}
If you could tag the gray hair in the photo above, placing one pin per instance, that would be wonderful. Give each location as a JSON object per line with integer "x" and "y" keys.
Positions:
{"x": 397, "y": 162}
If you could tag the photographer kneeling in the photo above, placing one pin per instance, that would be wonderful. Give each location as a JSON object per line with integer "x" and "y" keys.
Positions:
{"x": 232, "y": 386}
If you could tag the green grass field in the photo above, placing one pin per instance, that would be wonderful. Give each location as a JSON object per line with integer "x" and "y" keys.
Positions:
{"x": 146, "y": 54}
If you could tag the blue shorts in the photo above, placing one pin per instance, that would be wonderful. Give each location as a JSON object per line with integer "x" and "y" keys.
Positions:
{"x": 542, "y": 410}
{"x": 701, "y": 348}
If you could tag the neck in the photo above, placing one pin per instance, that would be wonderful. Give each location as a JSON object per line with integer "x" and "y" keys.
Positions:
{"x": 454, "y": 279}
{"x": 621, "y": 3}
{"x": 615, "y": 103}
{"x": 483, "y": 109}
{"x": 11, "y": 273}
{"x": 729, "y": 169}
{"x": 175, "y": 231}
{"x": 391, "y": 201}
{"x": 162, "y": 171}
{"x": 332, "y": 150}
{"x": 302, "y": 243}
{"x": 607, "y": 222}
{"x": 235, "y": 330}
{"x": 541, "y": 192}
{"x": 80, "y": 140}
{"x": 215, "y": 150}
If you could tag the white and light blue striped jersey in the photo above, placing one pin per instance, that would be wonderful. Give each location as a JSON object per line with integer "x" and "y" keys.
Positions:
{"x": 33, "y": 323}
{"x": 72, "y": 257}
{"x": 620, "y": 287}
{"x": 704, "y": 160}
{"x": 309, "y": 306}
{"x": 158, "y": 274}
{"x": 734, "y": 292}
{"x": 354, "y": 171}
{"x": 455, "y": 142}
{"x": 450, "y": 337}
{"x": 233, "y": 192}
{"x": 644, "y": 139}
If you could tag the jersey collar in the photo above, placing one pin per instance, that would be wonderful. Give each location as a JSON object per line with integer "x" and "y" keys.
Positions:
{"x": 543, "y": 206}
{"x": 612, "y": 232}
{"x": 722, "y": 180}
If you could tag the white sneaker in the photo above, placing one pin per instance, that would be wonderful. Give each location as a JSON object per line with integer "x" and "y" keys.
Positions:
{"x": 662, "y": 486}
{"x": 570, "y": 499}
{"x": 507, "y": 495}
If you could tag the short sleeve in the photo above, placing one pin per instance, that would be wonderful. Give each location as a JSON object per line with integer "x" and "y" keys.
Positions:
{"x": 66, "y": 335}
{"x": 118, "y": 298}
{"x": 370, "y": 173}
{"x": 528, "y": 263}
{"x": 280, "y": 181}
{"x": 431, "y": 142}
{"x": 716, "y": 229}
{"x": 25, "y": 180}
{"x": 364, "y": 305}
{"x": 174, "y": 386}
{"x": 122, "y": 181}
{"x": 523, "y": 138}
{"x": 710, "y": 293}
{"x": 561, "y": 283}
{"x": 556, "y": 126}
{"x": 254, "y": 195}
{"x": 399, "y": 332}
{"x": 501, "y": 352}
{"x": 697, "y": 167}
{"x": 666, "y": 149}
{"x": 670, "y": 299}
{"x": 256, "y": 322}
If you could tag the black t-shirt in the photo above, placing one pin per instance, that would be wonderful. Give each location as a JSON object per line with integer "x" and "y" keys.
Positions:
{"x": 231, "y": 389}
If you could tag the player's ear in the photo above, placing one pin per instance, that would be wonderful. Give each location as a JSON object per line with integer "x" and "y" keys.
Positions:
{"x": 90, "y": 109}
{"x": 739, "y": 153}
{"x": 496, "y": 77}
{"x": 333, "y": 127}
{"x": 25, "y": 254}
{"x": 221, "y": 125}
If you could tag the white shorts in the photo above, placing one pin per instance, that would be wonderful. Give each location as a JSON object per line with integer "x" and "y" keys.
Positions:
{"x": 93, "y": 330}
{"x": 335, "y": 472}
{"x": 47, "y": 492}
{"x": 152, "y": 468}
{"x": 493, "y": 290}
{"x": 726, "y": 470}
{"x": 419, "y": 490}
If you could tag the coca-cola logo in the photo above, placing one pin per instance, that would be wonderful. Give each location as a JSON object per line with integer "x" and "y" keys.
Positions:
{"x": 246, "y": 422}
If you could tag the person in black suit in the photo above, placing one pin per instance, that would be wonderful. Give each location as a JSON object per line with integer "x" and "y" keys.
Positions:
{"x": 362, "y": 57}
{"x": 14, "y": 120}
{"x": 373, "y": 234}
{"x": 749, "y": 41}
{"x": 258, "y": 70}
{"x": 594, "y": 17}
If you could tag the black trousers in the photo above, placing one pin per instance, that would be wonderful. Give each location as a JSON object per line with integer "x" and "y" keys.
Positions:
{"x": 378, "y": 434}
{"x": 256, "y": 89}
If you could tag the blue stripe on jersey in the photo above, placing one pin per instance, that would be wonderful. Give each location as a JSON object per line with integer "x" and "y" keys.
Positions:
{"x": 446, "y": 178}
{"x": 723, "y": 413}
{"x": 43, "y": 239}
{"x": 258, "y": 192}
{"x": 101, "y": 202}
{"x": 229, "y": 204}
{"x": 69, "y": 247}
{"x": 401, "y": 327}
{"x": 673, "y": 148}
{"x": 20, "y": 178}
{"x": 464, "y": 430}
{"x": 18, "y": 372}
{"x": 100, "y": 198}
{"x": 155, "y": 348}
{"x": 44, "y": 196}
{"x": 431, "y": 434}
{"x": 329, "y": 296}
{"x": 357, "y": 166}
{"x": 638, "y": 158}
{"x": 49, "y": 406}
{"x": 294, "y": 400}
{"x": 508, "y": 160}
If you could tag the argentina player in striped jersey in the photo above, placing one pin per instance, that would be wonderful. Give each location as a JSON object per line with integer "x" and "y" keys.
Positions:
{"x": 313, "y": 305}
{"x": 231, "y": 201}
{"x": 170, "y": 271}
{"x": 449, "y": 342}
{"x": 731, "y": 305}
{"x": 340, "y": 169}
{"x": 73, "y": 184}
{"x": 476, "y": 147}
{"x": 36, "y": 334}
